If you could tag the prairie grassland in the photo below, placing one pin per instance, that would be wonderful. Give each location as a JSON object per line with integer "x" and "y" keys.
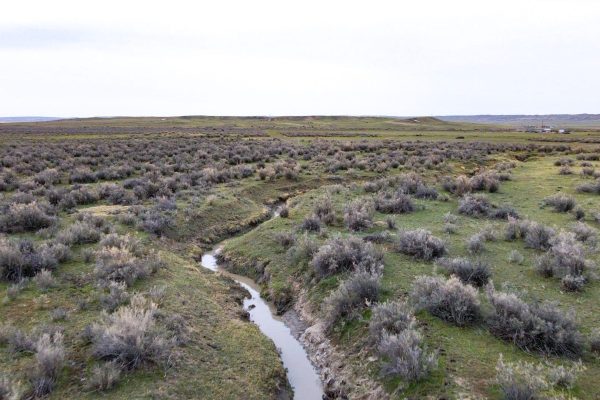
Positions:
{"x": 103, "y": 221}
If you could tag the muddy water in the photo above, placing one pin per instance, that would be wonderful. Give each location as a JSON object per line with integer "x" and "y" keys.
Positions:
{"x": 301, "y": 374}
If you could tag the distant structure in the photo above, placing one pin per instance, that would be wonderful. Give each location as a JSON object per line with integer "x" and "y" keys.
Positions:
{"x": 545, "y": 129}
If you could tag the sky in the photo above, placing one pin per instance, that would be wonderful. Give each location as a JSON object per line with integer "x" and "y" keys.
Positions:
{"x": 404, "y": 58}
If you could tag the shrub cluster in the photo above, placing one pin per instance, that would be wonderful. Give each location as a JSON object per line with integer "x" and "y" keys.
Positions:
{"x": 347, "y": 254}
{"x": 593, "y": 187}
{"x": 474, "y": 272}
{"x": 394, "y": 203}
{"x": 20, "y": 259}
{"x": 560, "y": 202}
{"x": 358, "y": 214}
{"x": 480, "y": 207}
{"x": 131, "y": 337}
{"x": 50, "y": 358}
{"x": 406, "y": 355}
{"x": 486, "y": 181}
{"x": 25, "y": 217}
{"x": 120, "y": 259}
{"x": 533, "y": 327}
{"x": 450, "y": 300}
{"x": 565, "y": 259}
{"x": 324, "y": 211}
{"x": 420, "y": 244}
{"x": 524, "y": 381}
{"x": 353, "y": 294}
{"x": 400, "y": 343}
{"x": 535, "y": 235}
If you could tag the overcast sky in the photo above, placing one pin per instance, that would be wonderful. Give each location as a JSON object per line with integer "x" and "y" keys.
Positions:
{"x": 90, "y": 58}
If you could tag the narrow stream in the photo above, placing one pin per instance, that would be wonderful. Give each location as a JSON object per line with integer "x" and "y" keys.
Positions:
{"x": 302, "y": 375}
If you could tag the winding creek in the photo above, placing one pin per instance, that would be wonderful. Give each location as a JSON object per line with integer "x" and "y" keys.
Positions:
{"x": 302, "y": 375}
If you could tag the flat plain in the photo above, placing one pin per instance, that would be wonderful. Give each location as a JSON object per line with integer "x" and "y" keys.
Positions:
{"x": 424, "y": 257}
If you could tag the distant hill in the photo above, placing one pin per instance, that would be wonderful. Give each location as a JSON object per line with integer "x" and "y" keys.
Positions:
{"x": 591, "y": 121}
{"x": 27, "y": 119}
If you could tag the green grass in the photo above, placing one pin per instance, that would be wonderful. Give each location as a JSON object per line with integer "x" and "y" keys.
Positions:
{"x": 228, "y": 357}
{"x": 468, "y": 355}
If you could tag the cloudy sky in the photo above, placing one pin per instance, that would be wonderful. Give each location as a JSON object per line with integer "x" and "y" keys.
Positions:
{"x": 90, "y": 58}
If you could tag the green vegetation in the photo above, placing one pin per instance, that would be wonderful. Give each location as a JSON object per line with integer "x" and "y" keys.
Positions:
{"x": 103, "y": 222}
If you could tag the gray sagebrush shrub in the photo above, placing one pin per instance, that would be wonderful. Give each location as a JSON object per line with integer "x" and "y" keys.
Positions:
{"x": 130, "y": 336}
{"x": 127, "y": 241}
{"x": 476, "y": 244}
{"x": 479, "y": 206}
{"x": 515, "y": 257}
{"x": 426, "y": 192}
{"x": 458, "y": 186}
{"x": 311, "y": 223}
{"x": 584, "y": 233}
{"x": 358, "y": 214}
{"x": 535, "y": 327}
{"x": 44, "y": 280}
{"x": 593, "y": 187}
{"x": 449, "y": 300}
{"x": 119, "y": 265}
{"x": 573, "y": 283}
{"x": 285, "y": 239}
{"x": 566, "y": 256}
{"x": 560, "y": 202}
{"x": 323, "y": 209}
{"x": 474, "y": 272}
{"x": 394, "y": 203}
{"x": 14, "y": 289}
{"x": 421, "y": 244}
{"x": 9, "y": 388}
{"x": 378, "y": 237}
{"x": 537, "y": 236}
{"x": 595, "y": 340}
{"x": 80, "y": 233}
{"x": 475, "y": 206}
{"x": 406, "y": 355}
{"x": 59, "y": 314}
{"x": 303, "y": 250}
{"x": 157, "y": 222}
{"x": 104, "y": 377}
{"x": 23, "y": 259}
{"x": 117, "y": 296}
{"x": 534, "y": 234}
{"x": 352, "y": 295}
{"x": 56, "y": 250}
{"x": 50, "y": 358}
{"x": 345, "y": 254}
{"x": 392, "y": 317}
{"x": 528, "y": 381}
{"x": 25, "y": 218}
{"x": 486, "y": 181}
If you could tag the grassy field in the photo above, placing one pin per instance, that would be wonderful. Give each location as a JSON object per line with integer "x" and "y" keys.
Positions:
{"x": 180, "y": 185}
{"x": 469, "y": 354}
